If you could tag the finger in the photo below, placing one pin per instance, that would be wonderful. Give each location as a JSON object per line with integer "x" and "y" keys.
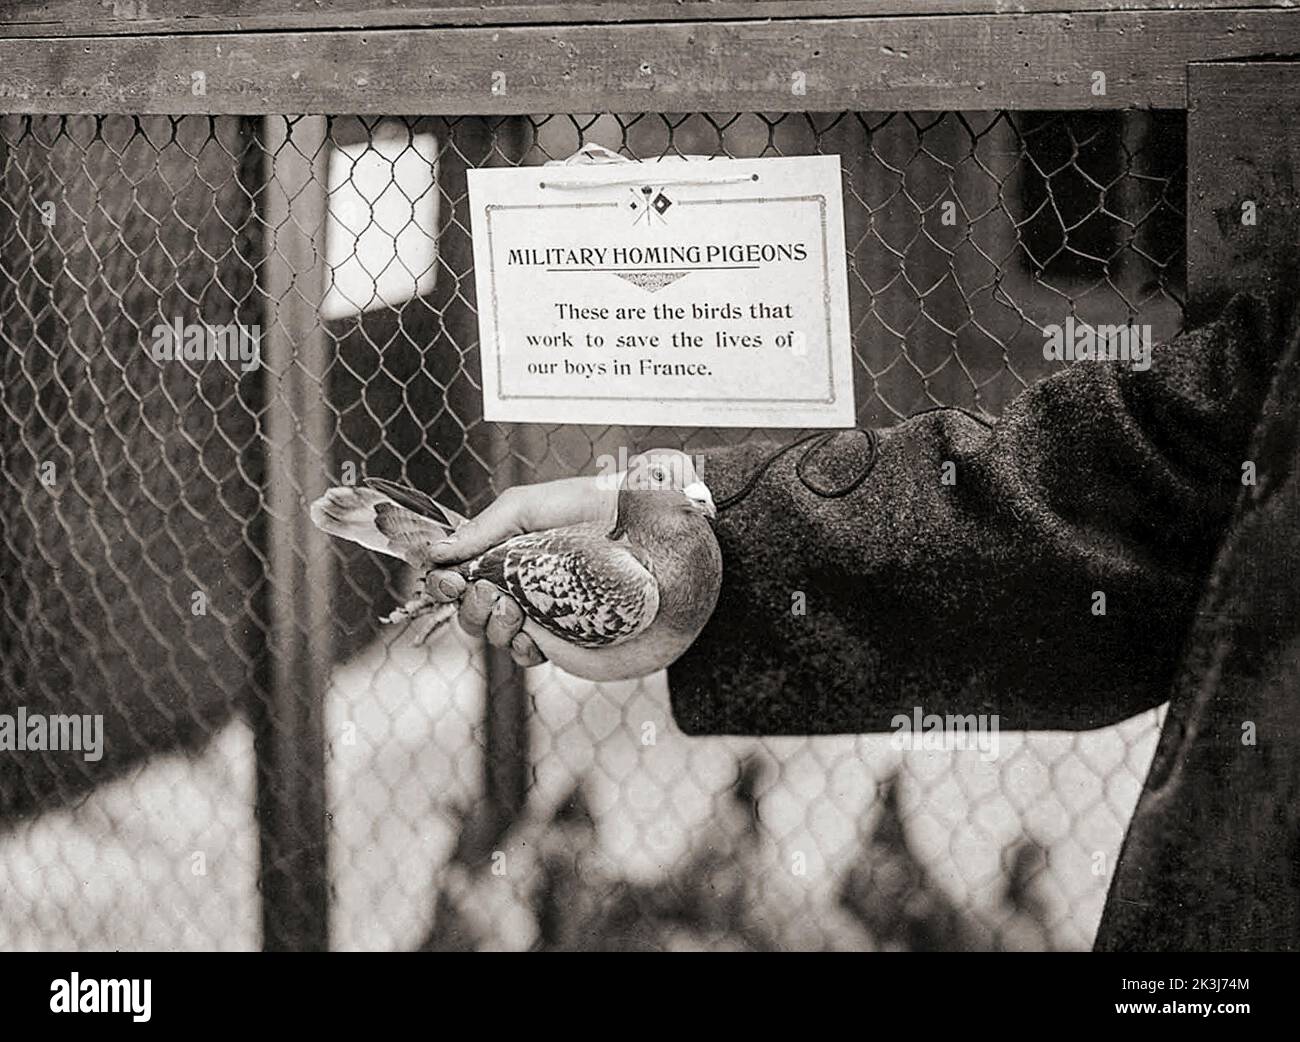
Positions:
{"x": 443, "y": 587}
{"x": 528, "y": 508}
{"x": 495, "y": 525}
{"x": 525, "y": 652}
{"x": 505, "y": 621}
{"x": 476, "y": 607}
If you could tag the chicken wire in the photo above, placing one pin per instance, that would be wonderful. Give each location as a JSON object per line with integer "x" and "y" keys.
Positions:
{"x": 466, "y": 805}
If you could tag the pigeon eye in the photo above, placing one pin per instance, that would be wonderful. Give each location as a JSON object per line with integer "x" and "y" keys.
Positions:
{"x": 657, "y": 475}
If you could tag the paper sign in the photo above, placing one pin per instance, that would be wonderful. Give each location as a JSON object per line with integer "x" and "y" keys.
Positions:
{"x": 701, "y": 293}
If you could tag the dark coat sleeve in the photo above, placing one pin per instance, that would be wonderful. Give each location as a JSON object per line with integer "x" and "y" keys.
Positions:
{"x": 979, "y": 596}
{"x": 1211, "y": 856}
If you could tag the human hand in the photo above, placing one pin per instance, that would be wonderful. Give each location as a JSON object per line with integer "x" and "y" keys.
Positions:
{"x": 484, "y": 610}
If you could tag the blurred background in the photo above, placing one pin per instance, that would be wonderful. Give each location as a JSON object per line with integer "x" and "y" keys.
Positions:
{"x": 282, "y": 772}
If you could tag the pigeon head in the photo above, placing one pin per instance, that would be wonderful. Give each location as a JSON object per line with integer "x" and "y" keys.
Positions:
{"x": 672, "y": 475}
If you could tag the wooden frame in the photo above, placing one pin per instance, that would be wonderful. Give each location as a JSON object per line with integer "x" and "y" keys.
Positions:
{"x": 127, "y": 17}
{"x": 931, "y": 61}
{"x": 1243, "y": 199}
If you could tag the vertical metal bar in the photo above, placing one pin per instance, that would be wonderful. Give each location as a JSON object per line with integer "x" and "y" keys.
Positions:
{"x": 950, "y": 275}
{"x": 508, "y": 763}
{"x": 482, "y": 142}
{"x": 944, "y": 308}
{"x": 506, "y": 759}
{"x": 1131, "y": 268}
{"x": 290, "y": 741}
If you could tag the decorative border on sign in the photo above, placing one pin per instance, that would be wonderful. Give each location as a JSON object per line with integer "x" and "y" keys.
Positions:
{"x": 819, "y": 199}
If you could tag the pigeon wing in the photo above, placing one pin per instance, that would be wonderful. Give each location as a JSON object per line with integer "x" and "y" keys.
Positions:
{"x": 372, "y": 519}
{"x": 414, "y": 499}
{"x": 410, "y": 535}
{"x": 576, "y": 583}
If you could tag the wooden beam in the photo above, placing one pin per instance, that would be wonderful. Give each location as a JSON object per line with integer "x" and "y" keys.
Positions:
{"x": 1243, "y": 200}
{"x": 1044, "y": 61}
{"x": 131, "y": 17}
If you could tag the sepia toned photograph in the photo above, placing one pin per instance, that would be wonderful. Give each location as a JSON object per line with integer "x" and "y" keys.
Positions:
{"x": 640, "y": 476}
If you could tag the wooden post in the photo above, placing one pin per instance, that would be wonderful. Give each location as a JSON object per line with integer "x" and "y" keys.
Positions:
{"x": 290, "y": 739}
{"x": 1243, "y": 207}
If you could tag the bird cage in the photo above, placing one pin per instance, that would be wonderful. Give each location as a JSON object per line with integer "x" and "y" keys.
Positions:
{"x": 280, "y": 771}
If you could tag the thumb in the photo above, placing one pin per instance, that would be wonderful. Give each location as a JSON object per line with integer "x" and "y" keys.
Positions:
{"x": 529, "y": 508}
{"x": 496, "y": 524}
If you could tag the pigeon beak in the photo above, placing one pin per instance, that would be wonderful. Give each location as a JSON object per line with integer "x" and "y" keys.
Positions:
{"x": 698, "y": 493}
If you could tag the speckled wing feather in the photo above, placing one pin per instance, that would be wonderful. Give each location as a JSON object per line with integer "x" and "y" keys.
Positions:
{"x": 575, "y": 582}
{"x": 410, "y": 535}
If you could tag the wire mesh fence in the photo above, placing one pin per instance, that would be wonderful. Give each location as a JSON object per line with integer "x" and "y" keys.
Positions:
{"x": 467, "y": 806}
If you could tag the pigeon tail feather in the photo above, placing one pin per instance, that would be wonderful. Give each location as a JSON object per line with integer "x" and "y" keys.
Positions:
{"x": 378, "y": 522}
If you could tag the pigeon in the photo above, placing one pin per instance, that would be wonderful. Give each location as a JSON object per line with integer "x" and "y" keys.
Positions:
{"x": 893, "y": 895}
{"x": 600, "y": 602}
